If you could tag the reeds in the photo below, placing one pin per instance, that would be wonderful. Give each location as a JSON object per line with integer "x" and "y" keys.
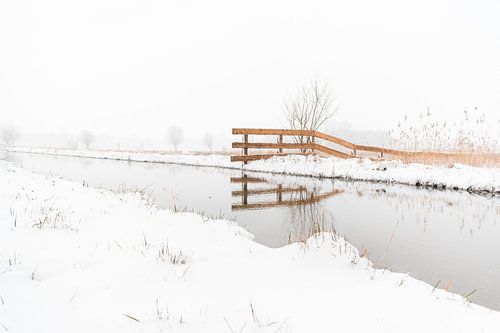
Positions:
{"x": 473, "y": 140}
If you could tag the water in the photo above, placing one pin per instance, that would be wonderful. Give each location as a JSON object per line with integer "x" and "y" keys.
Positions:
{"x": 446, "y": 236}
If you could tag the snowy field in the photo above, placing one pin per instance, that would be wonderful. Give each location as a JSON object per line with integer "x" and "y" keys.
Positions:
{"x": 456, "y": 176}
{"x": 79, "y": 259}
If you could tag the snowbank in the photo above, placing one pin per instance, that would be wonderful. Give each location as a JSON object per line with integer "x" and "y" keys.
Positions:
{"x": 78, "y": 259}
{"x": 456, "y": 176}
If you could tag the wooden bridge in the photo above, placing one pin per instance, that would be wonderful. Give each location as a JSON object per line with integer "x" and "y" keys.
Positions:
{"x": 309, "y": 142}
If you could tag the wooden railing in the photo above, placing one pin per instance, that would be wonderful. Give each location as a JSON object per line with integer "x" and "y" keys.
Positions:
{"x": 302, "y": 195}
{"x": 306, "y": 142}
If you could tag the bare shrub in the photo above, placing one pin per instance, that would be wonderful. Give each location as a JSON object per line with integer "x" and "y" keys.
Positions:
{"x": 310, "y": 107}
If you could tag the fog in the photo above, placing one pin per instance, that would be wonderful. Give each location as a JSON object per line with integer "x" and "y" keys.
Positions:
{"x": 127, "y": 70}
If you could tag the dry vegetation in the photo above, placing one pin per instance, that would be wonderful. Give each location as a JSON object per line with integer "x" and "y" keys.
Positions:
{"x": 469, "y": 158}
{"x": 473, "y": 140}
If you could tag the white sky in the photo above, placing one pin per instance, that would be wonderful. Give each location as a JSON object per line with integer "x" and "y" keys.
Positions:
{"x": 122, "y": 67}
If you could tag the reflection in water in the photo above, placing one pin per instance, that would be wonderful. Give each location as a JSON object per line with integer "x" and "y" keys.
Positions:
{"x": 308, "y": 220}
{"x": 445, "y": 236}
{"x": 298, "y": 196}
{"x": 303, "y": 212}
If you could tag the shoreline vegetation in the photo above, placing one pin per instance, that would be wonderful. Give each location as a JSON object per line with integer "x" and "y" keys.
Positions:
{"x": 455, "y": 176}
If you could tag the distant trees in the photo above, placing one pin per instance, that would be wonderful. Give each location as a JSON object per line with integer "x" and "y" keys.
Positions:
{"x": 9, "y": 135}
{"x": 208, "y": 140}
{"x": 87, "y": 138}
{"x": 175, "y": 136}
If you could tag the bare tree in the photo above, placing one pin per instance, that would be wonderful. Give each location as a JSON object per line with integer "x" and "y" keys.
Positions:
{"x": 309, "y": 107}
{"x": 175, "y": 136}
{"x": 208, "y": 140}
{"x": 9, "y": 135}
{"x": 88, "y": 138}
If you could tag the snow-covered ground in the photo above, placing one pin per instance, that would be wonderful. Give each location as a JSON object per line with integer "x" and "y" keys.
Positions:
{"x": 456, "y": 176}
{"x": 79, "y": 259}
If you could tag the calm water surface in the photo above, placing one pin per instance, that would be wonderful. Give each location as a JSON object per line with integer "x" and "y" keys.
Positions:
{"x": 447, "y": 236}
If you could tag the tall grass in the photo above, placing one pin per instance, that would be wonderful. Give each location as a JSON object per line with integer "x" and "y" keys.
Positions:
{"x": 472, "y": 133}
{"x": 473, "y": 139}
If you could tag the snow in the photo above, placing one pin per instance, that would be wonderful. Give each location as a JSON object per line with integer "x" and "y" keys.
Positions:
{"x": 456, "y": 176}
{"x": 79, "y": 259}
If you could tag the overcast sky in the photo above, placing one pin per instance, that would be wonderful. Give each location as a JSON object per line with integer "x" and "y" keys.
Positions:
{"x": 125, "y": 67}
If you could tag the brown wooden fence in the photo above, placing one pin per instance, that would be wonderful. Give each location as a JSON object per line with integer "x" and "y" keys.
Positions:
{"x": 307, "y": 142}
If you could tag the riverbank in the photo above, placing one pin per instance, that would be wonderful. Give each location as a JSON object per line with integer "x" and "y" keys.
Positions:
{"x": 455, "y": 176}
{"x": 80, "y": 259}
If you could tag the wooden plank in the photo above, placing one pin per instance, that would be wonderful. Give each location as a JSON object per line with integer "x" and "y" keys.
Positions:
{"x": 334, "y": 139}
{"x": 380, "y": 150}
{"x": 331, "y": 151}
{"x": 272, "y": 131}
{"x": 247, "y": 180}
{"x": 270, "y": 204}
{"x": 262, "y": 205}
{"x": 261, "y": 157}
{"x": 269, "y": 191}
{"x": 272, "y": 145}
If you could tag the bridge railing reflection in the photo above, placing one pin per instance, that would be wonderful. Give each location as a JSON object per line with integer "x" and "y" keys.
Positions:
{"x": 283, "y": 195}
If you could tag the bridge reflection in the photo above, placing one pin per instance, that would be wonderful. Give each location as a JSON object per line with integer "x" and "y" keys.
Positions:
{"x": 282, "y": 196}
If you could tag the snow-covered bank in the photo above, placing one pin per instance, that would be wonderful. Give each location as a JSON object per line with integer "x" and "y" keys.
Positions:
{"x": 456, "y": 176}
{"x": 78, "y": 259}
